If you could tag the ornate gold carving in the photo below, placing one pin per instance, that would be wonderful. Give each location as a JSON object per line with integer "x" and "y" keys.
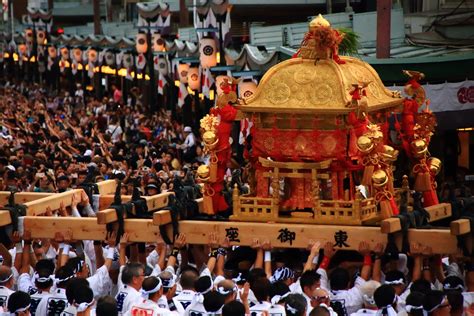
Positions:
{"x": 269, "y": 143}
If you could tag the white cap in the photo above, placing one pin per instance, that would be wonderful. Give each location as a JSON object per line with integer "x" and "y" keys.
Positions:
{"x": 88, "y": 152}
{"x": 188, "y": 129}
{"x": 10, "y": 167}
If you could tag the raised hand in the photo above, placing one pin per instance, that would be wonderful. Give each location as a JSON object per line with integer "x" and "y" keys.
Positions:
{"x": 124, "y": 239}
{"x": 256, "y": 244}
{"x": 314, "y": 247}
{"x": 329, "y": 249}
{"x": 111, "y": 238}
{"x": 364, "y": 248}
{"x": 180, "y": 242}
{"x": 213, "y": 242}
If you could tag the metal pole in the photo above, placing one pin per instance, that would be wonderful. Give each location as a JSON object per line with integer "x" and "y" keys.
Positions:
{"x": 384, "y": 11}
{"x": 96, "y": 8}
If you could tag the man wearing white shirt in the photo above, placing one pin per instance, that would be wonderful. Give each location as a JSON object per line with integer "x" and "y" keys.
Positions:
{"x": 186, "y": 296}
{"x": 55, "y": 303}
{"x": 132, "y": 278}
{"x": 152, "y": 291}
{"x": 6, "y": 283}
{"x": 189, "y": 145}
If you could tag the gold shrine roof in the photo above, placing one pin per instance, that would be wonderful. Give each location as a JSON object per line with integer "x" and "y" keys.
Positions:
{"x": 302, "y": 85}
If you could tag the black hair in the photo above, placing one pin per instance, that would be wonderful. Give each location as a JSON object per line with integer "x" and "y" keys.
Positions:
{"x": 45, "y": 264}
{"x": 106, "y": 306}
{"x": 256, "y": 274}
{"x": 394, "y": 275}
{"x": 309, "y": 278}
{"x": 64, "y": 275}
{"x": 83, "y": 294}
{"x": 384, "y": 296}
{"x": 18, "y": 300}
{"x": 131, "y": 270}
{"x": 261, "y": 289}
{"x": 233, "y": 308}
{"x": 421, "y": 285}
{"x": 73, "y": 286}
{"x": 320, "y": 311}
{"x": 76, "y": 264}
{"x": 213, "y": 301}
{"x": 456, "y": 300}
{"x": 41, "y": 275}
{"x": 202, "y": 284}
{"x": 453, "y": 283}
{"x": 415, "y": 299}
{"x": 295, "y": 305}
{"x": 278, "y": 288}
{"x": 432, "y": 299}
{"x": 339, "y": 279}
{"x": 149, "y": 283}
{"x": 188, "y": 278}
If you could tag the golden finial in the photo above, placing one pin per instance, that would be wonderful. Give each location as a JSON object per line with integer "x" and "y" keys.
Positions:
{"x": 319, "y": 20}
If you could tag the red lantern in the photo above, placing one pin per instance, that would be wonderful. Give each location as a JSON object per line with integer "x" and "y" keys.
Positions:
{"x": 141, "y": 44}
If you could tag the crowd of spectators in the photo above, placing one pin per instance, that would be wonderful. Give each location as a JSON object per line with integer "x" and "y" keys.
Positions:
{"x": 51, "y": 144}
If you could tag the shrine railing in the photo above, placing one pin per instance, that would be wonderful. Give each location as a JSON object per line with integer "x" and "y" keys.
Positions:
{"x": 258, "y": 207}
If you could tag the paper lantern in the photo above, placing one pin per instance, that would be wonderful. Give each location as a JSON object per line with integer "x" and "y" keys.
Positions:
{"x": 141, "y": 44}
{"x": 163, "y": 67}
{"x": 127, "y": 60}
{"x": 92, "y": 55}
{"x": 109, "y": 58}
{"x": 194, "y": 78}
{"x": 64, "y": 53}
{"x": 158, "y": 43}
{"x": 247, "y": 89}
{"x": 77, "y": 53}
{"x": 29, "y": 35}
{"x": 183, "y": 72}
{"x": 40, "y": 37}
{"x": 22, "y": 49}
{"x": 207, "y": 52}
{"x": 52, "y": 52}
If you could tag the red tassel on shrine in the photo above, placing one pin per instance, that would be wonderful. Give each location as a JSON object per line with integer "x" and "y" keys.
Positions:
{"x": 430, "y": 198}
{"x": 367, "y": 176}
{"x": 422, "y": 182}
{"x": 385, "y": 209}
{"x": 394, "y": 207}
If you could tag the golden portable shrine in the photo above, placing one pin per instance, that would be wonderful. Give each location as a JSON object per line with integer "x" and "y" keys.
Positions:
{"x": 320, "y": 149}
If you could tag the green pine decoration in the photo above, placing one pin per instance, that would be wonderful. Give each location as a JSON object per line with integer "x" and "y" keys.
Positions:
{"x": 350, "y": 42}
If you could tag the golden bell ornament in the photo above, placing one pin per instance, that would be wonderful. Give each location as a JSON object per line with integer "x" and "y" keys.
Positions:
{"x": 379, "y": 178}
{"x": 365, "y": 144}
{"x": 434, "y": 164}
{"x": 389, "y": 153}
{"x": 203, "y": 172}
{"x": 419, "y": 147}
{"x": 319, "y": 21}
{"x": 210, "y": 139}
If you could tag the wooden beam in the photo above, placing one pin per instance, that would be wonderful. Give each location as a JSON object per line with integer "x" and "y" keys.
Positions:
{"x": 280, "y": 234}
{"x": 154, "y": 202}
{"x": 161, "y": 218}
{"x": 54, "y": 201}
{"x": 5, "y": 218}
{"x": 439, "y": 211}
{"x": 87, "y": 228}
{"x": 460, "y": 227}
{"x": 22, "y": 197}
{"x": 390, "y": 225}
{"x": 107, "y": 187}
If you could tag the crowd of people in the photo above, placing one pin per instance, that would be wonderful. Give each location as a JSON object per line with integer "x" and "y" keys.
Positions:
{"x": 53, "y": 143}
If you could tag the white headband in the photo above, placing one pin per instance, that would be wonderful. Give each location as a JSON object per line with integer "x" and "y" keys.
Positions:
{"x": 225, "y": 291}
{"x": 395, "y": 282}
{"x": 42, "y": 279}
{"x": 277, "y": 298}
{"x": 83, "y": 306}
{"x": 369, "y": 299}
{"x": 8, "y": 278}
{"x": 291, "y": 309}
{"x": 154, "y": 290}
{"x": 22, "y": 309}
{"x": 447, "y": 286}
{"x": 390, "y": 311}
{"x": 410, "y": 308}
